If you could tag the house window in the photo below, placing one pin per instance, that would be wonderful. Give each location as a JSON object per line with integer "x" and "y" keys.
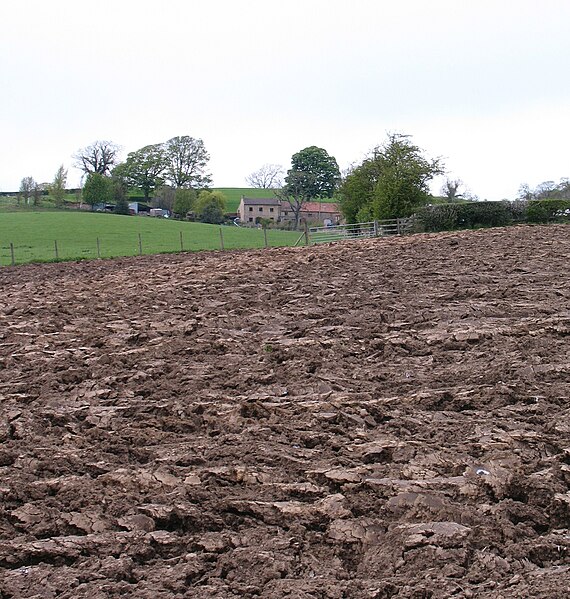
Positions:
{"x": 251, "y": 208}
{"x": 271, "y": 210}
{"x": 250, "y": 219}
{"x": 260, "y": 209}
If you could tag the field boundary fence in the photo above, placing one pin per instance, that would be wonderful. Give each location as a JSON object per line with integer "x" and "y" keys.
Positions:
{"x": 59, "y": 249}
{"x": 139, "y": 244}
{"x": 366, "y": 230}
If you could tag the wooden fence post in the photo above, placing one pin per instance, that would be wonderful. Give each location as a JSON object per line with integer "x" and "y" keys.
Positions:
{"x": 181, "y": 242}
{"x": 398, "y": 226}
{"x": 55, "y": 247}
{"x": 140, "y": 245}
{"x": 375, "y": 228}
{"x": 12, "y": 254}
{"x": 98, "y": 248}
{"x": 221, "y": 239}
{"x": 306, "y": 233}
{"x": 265, "y": 235}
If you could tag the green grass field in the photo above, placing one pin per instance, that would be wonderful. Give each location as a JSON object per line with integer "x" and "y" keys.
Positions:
{"x": 33, "y": 235}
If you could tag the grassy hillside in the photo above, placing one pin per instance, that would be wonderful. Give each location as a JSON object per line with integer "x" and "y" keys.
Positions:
{"x": 33, "y": 235}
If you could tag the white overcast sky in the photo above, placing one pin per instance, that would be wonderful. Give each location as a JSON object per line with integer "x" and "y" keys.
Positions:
{"x": 482, "y": 83}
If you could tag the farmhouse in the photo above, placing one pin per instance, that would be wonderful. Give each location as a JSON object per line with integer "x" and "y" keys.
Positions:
{"x": 323, "y": 213}
{"x": 252, "y": 210}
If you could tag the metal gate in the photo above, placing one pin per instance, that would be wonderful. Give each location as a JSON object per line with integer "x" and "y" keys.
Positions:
{"x": 375, "y": 228}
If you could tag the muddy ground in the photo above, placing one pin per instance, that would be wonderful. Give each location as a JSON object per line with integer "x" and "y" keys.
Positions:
{"x": 383, "y": 418}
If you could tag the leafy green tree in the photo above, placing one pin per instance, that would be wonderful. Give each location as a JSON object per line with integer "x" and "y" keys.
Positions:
{"x": 97, "y": 190}
{"x": 119, "y": 193}
{"x": 57, "y": 188}
{"x": 315, "y": 171}
{"x": 186, "y": 162}
{"x": 184, "y": 201}
{"x": 210, "y": 206}
{"x": 144, "y": 169}
{"x": 391, "y": 183}
{"x": 357, "y": 190}
{"x": 313, "y": 174}
{"x": 403, "y": 186}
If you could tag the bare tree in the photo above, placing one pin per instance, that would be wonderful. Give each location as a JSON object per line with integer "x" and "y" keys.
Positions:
{"x": 450, "y": 190}
{"x": 294, "y": 193}
{"x": 98, "y": 158}
{"x": 269, "y": 176}
{"x": 27, "y": 187}
{"x": 545, "y": 190}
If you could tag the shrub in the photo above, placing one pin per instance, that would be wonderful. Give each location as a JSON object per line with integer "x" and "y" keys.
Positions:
{"x": 440, "y": 217}
{"x": 543, "y": 211}
{"x": 518, "y": 210}
{"x": 483, "y": 214}
{"x": 445, "y": 217}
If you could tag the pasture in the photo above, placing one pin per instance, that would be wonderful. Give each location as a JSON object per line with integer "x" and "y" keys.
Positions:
{"x": 33, "y": 236}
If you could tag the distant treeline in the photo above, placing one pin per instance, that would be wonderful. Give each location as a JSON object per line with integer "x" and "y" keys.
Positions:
{"x": 43, "y": 192}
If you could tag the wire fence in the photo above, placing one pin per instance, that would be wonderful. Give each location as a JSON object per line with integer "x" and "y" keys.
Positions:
{"x": 66, "y": 248}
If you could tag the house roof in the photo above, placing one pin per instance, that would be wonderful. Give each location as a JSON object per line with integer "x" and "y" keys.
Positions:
{"x": 318, "y": 207}
{"x": 260, "y": 201}
{"x": 328, "y": 207}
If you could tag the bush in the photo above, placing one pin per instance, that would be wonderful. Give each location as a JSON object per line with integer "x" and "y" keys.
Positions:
{"x": 543, "y": 211}
{"x": 518, "y": 210}
{"x": 446, "y": 217}
{"x": 441, "y": 217}
{"x": 483, "y": 214}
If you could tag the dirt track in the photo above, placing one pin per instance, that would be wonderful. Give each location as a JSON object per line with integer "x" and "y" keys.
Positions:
{"x": 374, "y": 419}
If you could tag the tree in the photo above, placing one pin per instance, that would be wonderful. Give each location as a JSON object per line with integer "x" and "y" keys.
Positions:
{"x": 546, "y": 190}
{"x": 97, "y": 189}
{"x": 391, "y": 183}
{"x": 118, "y": 191}
{"x": 99, "y": 157}
{"x": 186, "y": 162}
{"x": 164, "y": 197}
{"x": 295, "y": 194}
{"x": 37, "y": 194}
{"x": 210, "y": 206}
{"x": 313, "y": 174}
{"x": 144, "y": 169}
{"x": 525, "y": 192}
{"x": 184, "y": 200}
{"x": 267, "y": 177}
{"x": 316, "y": 171}
{"x": 450, "y": 190}
{"x": 27, "y": 187}
{"x": 57, "y": 188}
{"x": 357, "y": 190}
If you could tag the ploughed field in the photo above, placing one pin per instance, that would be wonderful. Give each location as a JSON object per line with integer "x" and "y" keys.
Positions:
{"x": 383, "y": 418}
